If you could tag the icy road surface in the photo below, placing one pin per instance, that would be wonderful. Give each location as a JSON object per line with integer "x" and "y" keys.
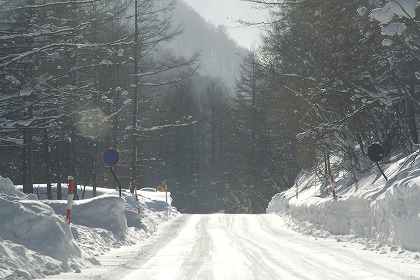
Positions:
{"x": 222, "y": 247}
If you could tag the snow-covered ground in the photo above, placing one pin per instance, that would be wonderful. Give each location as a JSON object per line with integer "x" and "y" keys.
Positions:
{"x": 383, "y": 214}
{"x": 245, "y": 247}
{"x": 35, "y": 240}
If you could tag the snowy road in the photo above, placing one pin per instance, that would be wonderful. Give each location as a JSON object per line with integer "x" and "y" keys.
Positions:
{"x": 247, "y": 247}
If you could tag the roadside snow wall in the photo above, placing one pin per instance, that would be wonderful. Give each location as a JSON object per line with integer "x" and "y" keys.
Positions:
{"x": 388, "y": 211}
{"x": 28, "y": 222}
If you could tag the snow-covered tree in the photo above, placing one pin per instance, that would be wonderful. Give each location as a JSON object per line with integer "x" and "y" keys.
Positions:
{"x": 331, "y": 80}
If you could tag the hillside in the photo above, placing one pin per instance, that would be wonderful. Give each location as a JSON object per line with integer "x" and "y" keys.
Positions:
{"x": 220, "y": 55}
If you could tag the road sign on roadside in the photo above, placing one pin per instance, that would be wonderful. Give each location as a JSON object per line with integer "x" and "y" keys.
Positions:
{"x": 153, "y": 176}
{"x": 375, "y": 152}
{"x": 110, "y": 157}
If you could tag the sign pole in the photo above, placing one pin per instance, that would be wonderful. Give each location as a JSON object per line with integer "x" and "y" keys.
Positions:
{"x": 376, "y": 154}
{"x": 380, "y": 169}
{"x": 115, "y": 176}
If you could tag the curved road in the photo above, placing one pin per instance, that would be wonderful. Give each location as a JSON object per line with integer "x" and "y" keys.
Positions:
{"x": 220, "y": 246}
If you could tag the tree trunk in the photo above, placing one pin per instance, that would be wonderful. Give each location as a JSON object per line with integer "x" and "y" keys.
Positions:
{"x": 410, "y": 112}
{"x": 25, "y": 161}
{"x": 47, "y": 164}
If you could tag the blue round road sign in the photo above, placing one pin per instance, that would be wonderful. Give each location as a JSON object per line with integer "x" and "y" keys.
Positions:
{"x": 111, "y": 157}
{"x": 153, "y": 176}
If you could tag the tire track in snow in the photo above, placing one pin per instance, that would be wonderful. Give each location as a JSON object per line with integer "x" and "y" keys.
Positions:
{"x": 328, "y": 259}
{"x": 195, "y": 264}
{"x": 254, "y": 247}
{"x": 248, "y": 247}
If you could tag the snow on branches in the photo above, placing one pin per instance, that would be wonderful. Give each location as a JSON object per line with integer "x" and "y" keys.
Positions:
{"x": 387, "y": 15}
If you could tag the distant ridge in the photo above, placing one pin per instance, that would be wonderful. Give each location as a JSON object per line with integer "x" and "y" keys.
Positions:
{"x": 220, "y": 54}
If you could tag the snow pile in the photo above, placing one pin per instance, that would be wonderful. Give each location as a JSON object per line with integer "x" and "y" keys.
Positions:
{"x": 35, "y": 240}
{"x": 385, "y": 211}
{"x": 100, "y": 212}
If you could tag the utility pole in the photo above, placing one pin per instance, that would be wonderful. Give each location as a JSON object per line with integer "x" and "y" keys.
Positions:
{"x": 135, "y": 103}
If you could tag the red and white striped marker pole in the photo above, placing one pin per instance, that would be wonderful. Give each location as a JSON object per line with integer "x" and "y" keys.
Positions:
{"x": 297, "y": 190}
{"x": 70, "y": 194}
{"x": 134, "y": 192}
{"x": 137, "y": 201}
{"x": 333, "y": 187}
{"x": 166, "y": 191}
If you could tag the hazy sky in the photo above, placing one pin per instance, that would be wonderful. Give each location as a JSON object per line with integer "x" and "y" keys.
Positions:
{"x": 227, "y": 12}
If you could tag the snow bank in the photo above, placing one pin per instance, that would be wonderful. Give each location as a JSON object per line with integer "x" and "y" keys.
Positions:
{"x": 396, "y": 214}
{"x": 106, "y": 211}
{"x": 7, "y": 188}
{"x": 28, "y": 222}
{"x": 387, "y": 211}
{"x": 36, "y": 242}
{"x": 16, "y": 262}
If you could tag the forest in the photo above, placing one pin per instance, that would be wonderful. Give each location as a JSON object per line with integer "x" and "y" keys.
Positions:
{"x": 80, "y": 76}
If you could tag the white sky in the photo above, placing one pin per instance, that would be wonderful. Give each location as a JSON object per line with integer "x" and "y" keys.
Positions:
{"x": 228, "y": 12}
